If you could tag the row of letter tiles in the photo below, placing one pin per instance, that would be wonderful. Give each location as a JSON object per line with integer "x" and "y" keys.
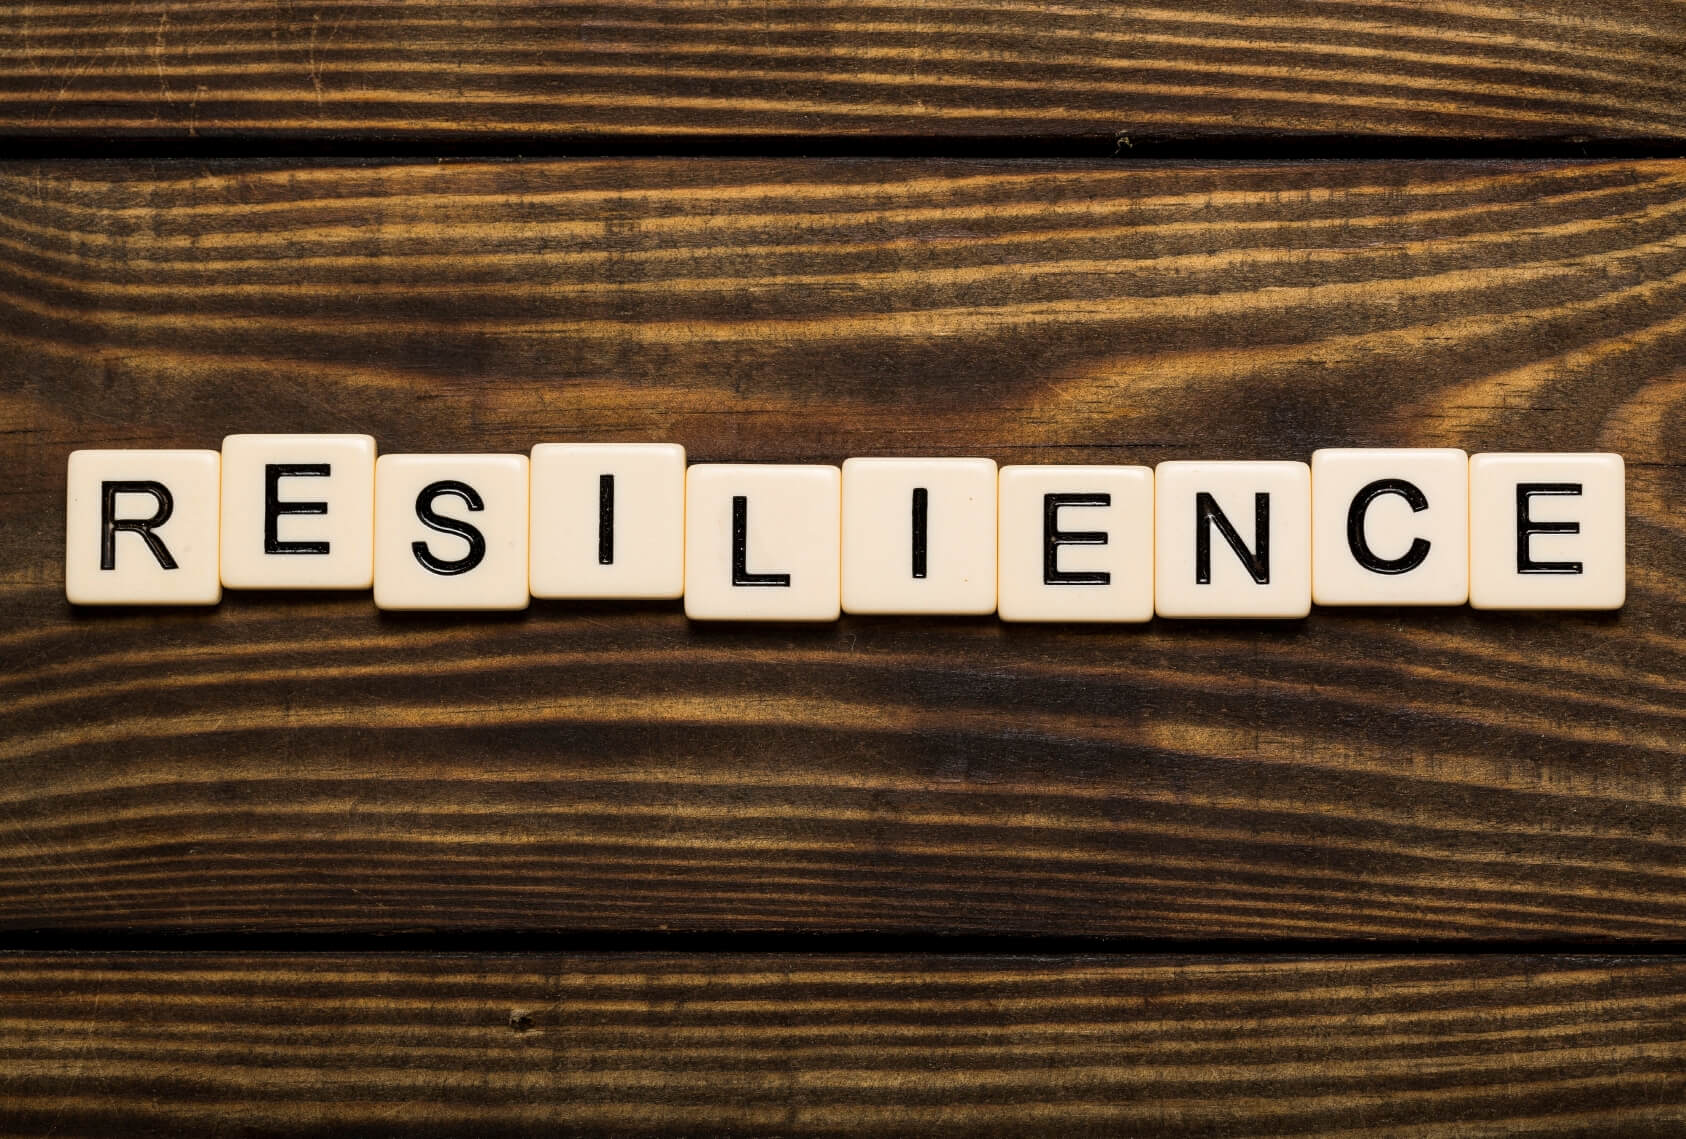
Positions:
{"x": 879, "y": 535}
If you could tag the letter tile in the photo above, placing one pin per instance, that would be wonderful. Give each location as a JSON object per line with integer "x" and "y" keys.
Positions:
{"x": 141, "y": 528}
{"x": 1390, "y": 526}
{"x": 919, "y": 535}
{"x": 451, "y": 532}
{"x": 1232, "y": 539}
{"x": 608, "y": 520}
{"x": 1547, "y": 531}
{"x": 298, "y": 511}
{"x": 761, "y": 542}
{"x": 1076, "y": 543}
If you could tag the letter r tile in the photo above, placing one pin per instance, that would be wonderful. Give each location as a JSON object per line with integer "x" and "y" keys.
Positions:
{"x": 141, "y": 528}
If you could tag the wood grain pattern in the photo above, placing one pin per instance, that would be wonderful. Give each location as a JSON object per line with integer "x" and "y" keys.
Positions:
{"x": 293, "y": 762}
{"x": 995, "y": 68}
{"x": 641, "y": 1045}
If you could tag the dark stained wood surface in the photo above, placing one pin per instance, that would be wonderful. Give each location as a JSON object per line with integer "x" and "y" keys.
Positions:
{"x": 630, "y": 1044}
{"x": 306, "y": 763}
{"x": 662, "y": 71}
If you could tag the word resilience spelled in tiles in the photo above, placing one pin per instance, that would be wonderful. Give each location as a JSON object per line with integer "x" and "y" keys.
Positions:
{"x": 878, "y": 535}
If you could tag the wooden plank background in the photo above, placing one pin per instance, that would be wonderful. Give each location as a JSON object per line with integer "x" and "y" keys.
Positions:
{"x": 634, "y": 1044}
{"x": 305, "y": 771}
{"x": 818, "y": 69}
{"x": 294, "y": 762}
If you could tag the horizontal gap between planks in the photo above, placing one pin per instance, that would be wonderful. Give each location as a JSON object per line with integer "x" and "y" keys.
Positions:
{"x": 717, "y": 943}
{"x": 462, "y": 146}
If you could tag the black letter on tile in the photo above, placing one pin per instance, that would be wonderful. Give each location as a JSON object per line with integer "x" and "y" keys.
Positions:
{"x": 1053, "y": 538}
{"x": 110, "y": 523}
{"x": 605, "y": 520}
{"x": 740, "y": 549}
{"x": 273, "y": 507}
{"x": 476, "y": 540}
{"x": 921, "y": 509}
{"x": 1207, "y": 514}
{"x": 1526, "y": 526}
{"x": 1355, "y": 540}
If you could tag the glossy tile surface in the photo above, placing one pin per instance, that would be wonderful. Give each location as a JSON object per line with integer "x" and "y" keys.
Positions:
{"x": 1390, "y": 526}
{"x": 919, "y": 535}
{"x": 451, "y": 532}
{"x": 298, "y": 511}
{"x": 608, "y": 520}
{"x": 1076, "y": 543}
{"x": 761, "y": 542}
{"x": 1547, "y": 531}
{"x": 1232, "y": 539}
{"x": 141, "y": 528}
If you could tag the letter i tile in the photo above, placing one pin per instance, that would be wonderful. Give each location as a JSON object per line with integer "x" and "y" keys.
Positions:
{"x": 919, "y": 535}
{"x": 608, "y": 520}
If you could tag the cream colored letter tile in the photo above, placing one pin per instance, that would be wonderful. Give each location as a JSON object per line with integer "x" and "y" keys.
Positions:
{"x": 451, "y": 532}
{"x": 1390, "y": 526}
{"x": 919, "y": 535}
{"x": 1547, "y": 531}
{"x": 298, "y": 511}
{"x": 141, "y": 528}
{"x": 761, "y": 542}
{"x": 608, "y": 520}
{"x": 1076, "y": 543}
{"x": 1205, "y": 511}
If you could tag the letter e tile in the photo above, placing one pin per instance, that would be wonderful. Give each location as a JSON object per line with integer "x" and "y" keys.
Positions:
{"x": 1547, "y": 531}
{"x": 298, "y": 511}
